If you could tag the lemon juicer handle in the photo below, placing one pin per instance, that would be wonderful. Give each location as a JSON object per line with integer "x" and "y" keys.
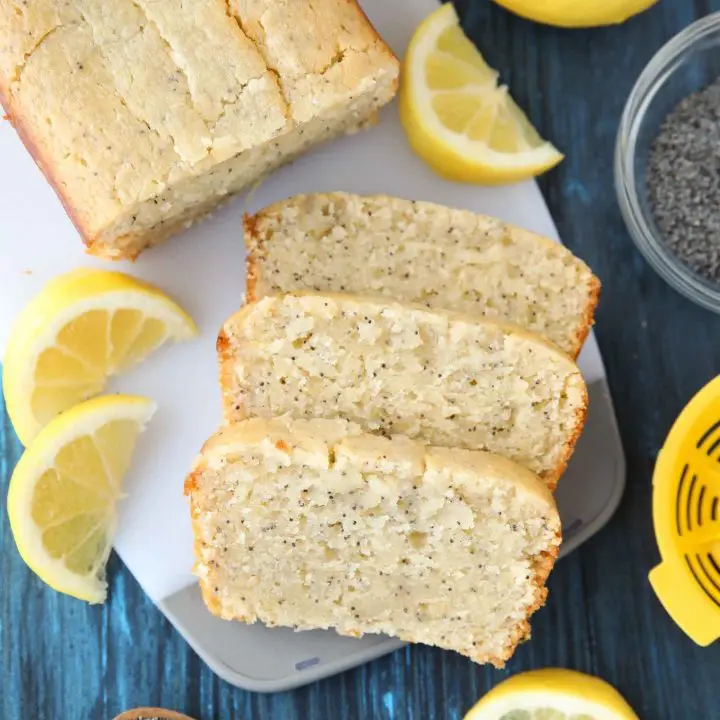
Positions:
{"x": 685, "y": 602}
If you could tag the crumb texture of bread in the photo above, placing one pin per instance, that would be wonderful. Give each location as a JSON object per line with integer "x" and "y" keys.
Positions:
{"x": 145, "y": 114}
{"x": 313, "y": 524}
{"x": 447, "y": 379}
{"x": 422, "y": 253}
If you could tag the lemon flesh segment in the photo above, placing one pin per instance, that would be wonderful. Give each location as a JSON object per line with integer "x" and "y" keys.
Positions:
{"x": 456, "y": 116}
{"x": 62, "y": 500}
{"x": 571, "y": 13}
{"x": 81, "y": 329}
{"x": 552, "y": 694}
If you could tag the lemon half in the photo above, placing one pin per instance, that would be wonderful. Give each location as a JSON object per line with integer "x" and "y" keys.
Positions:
{"x": 64, "y": 490}
{"x": 552, "y": 694}
{"x": 80, "y": 329}
{"x": 456, "y": 116}
{"x": 577, "y": 13}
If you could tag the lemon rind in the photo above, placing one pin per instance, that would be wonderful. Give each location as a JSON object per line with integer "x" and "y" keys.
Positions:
{"x": 59, "y": 302}
{"x": 475, "y": 157}
{"x": 567, "y": 691}
{"x": 82, "y": 419}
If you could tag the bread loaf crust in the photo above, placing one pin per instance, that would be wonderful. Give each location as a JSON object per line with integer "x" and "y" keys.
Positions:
{"x": 584, "y": 328}
{"x": 120, "y": 207}
{"x": 23, "y": 131}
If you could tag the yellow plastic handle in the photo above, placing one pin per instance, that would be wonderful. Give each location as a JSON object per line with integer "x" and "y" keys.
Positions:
{"x": 685, "y": 602}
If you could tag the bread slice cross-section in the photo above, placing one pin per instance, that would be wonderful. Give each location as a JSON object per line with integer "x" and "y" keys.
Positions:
{"x": 446, "y": 379}
{"x": 422, "y": 253}
{"x": 314, "y": 524}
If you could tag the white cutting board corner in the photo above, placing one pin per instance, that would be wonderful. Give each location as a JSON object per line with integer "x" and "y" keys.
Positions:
{"x": 204, "y": 270}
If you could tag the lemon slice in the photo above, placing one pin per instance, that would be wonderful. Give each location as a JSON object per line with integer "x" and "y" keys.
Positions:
{"x": 455, "y": 115}
{"x": 80, "y": 329}
{"x": 63, "y": 492}
{"x": 552, "y": 694}
{"x": 571, "y": 13}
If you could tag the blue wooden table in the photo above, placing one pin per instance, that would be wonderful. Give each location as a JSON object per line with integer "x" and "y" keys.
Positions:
{"x": 61, "y": 660}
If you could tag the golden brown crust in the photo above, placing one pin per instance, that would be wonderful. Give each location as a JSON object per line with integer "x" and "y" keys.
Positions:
{"x": 543, "y": 565}
{"x": 129, "y": 246}
{"x": 24, "y": 133}
{"x": 193, "y": 489}
{"x": 254, "y": 252}
{"x": 191, "y": 483}
{"x": 553, "y": 478}
{"x": 222, "y": 345}
{"x": 231, "y": 396}
{"x": 588, "y": 317}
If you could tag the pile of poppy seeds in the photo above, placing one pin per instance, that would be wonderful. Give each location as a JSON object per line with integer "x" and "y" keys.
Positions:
{"x": 683, "y": 181}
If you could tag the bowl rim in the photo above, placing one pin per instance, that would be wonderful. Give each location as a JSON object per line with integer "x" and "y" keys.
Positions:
{"x": 661, "y": 66}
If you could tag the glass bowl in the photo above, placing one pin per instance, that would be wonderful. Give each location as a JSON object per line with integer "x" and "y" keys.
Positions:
{"x": 687, "y": 63}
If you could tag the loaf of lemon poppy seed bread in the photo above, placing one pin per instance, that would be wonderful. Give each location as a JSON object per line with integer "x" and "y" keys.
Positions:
{"x": 447, "y": 379}
{"x": 422, "y": 253}
{"x": 145, "y": 114}
{"x": 313, "y": 524}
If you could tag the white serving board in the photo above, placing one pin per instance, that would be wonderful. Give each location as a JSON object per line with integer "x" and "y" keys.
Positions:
{"x": 204, "y": 270}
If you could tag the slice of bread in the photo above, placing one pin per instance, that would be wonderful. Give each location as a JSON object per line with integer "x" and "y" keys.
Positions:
{"x": 446, "y": 379}
{"x": 421, "y": 253}
{"x": 312, "y": 524}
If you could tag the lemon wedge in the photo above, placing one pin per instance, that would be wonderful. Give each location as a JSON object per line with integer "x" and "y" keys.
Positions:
{"x": 552, "y": 694}
{"x": 455, "y": 115}
{"x": 571, "y": 13}
{"x": 64, "y": 490}
{"x": 79, "y": 330}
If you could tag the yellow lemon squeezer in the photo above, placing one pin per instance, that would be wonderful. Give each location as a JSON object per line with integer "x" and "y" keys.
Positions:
{"x": 686, "y": 516}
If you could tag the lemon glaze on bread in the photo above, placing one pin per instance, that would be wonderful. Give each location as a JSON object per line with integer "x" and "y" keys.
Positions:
{"x": 444, "y": 378}
{"x": 313, "y": 524}
{"x": 145, "y": 114}
{"x": 423, "y": 253}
